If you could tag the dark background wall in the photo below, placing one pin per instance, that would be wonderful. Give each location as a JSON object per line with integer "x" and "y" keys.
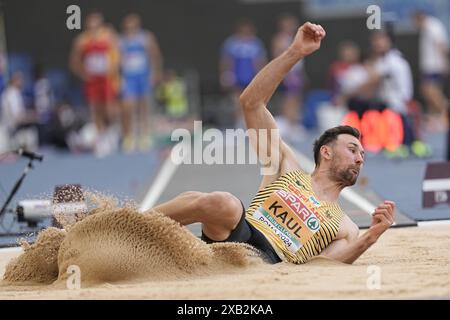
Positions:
{"x": 190, "y": 32}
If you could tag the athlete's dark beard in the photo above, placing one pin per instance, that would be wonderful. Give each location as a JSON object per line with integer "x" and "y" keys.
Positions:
{"x": 348, "y": 177}
{"x": 345, "y": 177}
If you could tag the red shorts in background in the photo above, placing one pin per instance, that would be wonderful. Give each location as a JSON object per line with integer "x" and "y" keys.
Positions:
{"x": 100, "y": 90}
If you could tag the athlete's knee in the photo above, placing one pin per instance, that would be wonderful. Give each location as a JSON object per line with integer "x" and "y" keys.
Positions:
{"x": 220, "y": 201}
{"x": 221, "y": 208}
{"x": 191, "y": 194}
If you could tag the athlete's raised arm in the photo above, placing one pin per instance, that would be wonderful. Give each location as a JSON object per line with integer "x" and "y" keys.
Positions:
{"x": 255, "y": 97}
{"x": 156, "y": 58}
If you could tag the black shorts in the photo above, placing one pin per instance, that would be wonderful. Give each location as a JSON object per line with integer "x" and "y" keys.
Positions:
{"x": 246, "y": 233}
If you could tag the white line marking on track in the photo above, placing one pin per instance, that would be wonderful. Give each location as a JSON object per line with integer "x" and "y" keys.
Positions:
{"x": 432, "y": 223}
{"x": 162, "y": 180}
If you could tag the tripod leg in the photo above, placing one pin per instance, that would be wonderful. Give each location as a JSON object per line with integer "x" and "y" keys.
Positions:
{"x": 16, "y": 187}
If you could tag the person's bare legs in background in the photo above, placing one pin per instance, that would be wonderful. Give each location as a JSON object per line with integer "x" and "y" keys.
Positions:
{"x": 436, "y": 102}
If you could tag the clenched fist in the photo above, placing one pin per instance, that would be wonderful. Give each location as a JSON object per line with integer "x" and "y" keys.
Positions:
{"x": 382, "y": 219}
{"x": 308, "y": 39}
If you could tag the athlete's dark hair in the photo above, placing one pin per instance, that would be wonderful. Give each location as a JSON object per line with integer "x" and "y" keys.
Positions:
{"x": 244, "y": 22}
{"x": 330, "y": 136}
{"x": 287, "y": 15}
{"x": 95, "y": 11}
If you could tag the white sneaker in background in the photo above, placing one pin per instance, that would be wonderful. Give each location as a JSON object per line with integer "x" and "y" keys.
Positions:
{"x": 107, "y": 143}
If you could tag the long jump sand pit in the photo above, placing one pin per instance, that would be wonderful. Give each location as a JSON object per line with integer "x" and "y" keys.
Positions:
{"x": 122, "y": 254}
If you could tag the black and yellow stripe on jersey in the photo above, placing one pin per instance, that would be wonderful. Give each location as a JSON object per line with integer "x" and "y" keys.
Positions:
{"x": 297, "y": 225}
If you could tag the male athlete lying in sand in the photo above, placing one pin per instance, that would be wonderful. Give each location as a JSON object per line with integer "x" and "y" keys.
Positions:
{"x": 294, "y": 216}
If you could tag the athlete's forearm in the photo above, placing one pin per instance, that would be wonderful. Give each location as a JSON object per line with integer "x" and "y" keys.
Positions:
{"x": 76, "y": 65}
{"x": 157, "y": 61}
{"x": 155, "y": 56}
{"x": 262, "y": 87}
{"x": 348, "y": 251}
{"x": 444, "y": 48}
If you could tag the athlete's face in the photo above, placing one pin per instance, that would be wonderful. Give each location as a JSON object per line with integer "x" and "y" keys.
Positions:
{"x": 131, "y": 23}
{"x": 246, "y": 30}
{"x": 380, "y": 43}
{"x": 288, "y": 24}
{"x": 419, "y": 19}
{"x": 349, "y": 54}
{"x": 94, "y": 21}
{"x": 17, "y": 79}
{"x": 347, "y": 159}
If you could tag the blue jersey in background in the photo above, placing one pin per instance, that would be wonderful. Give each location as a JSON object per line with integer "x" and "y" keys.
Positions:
{"x": 135, "y": 64}
{"x": 244, "y": 54}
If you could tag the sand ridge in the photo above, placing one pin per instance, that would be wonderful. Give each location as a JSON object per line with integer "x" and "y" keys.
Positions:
{"x": 114, "y": 244}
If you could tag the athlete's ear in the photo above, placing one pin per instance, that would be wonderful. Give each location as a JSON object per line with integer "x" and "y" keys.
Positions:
{"x": 326, "y": 152}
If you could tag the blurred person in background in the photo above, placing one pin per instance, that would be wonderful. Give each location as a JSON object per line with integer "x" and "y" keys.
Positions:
{"x": 44, "y": 105}
{"x": 141, "y": 66}
{"x": 292, "y": 85}
{"x": 353, "y": 82}
{"x": 395, "y": 90}
{"x": 349, "y": 55}
{"x": 95, "y": 60}
{"x": 434, "y": 66}
{"x": 172, "y": 96}
{"x": 448, "y": 143}
{"x": 356, "y": 87}
{"x": 172, "y": 93}
{"x": 18, "y": 122}
{"x": 243, "y": 54}
{"x": 54, "y": 121}
{"x": 3, "y": 70}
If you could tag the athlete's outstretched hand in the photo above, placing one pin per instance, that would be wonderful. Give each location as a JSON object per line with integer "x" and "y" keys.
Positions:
{"x": 307, "y": 39}
{"x": 382, "y": 218}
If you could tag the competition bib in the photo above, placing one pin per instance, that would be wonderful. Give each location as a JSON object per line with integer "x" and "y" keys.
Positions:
{"x": 289, "y": 218}
{"x": 96, "y": 63}
{"x": 134, "y": 62}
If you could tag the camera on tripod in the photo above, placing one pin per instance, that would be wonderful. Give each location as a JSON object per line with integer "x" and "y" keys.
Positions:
{"x": 68, "y": 202}
{"x": 33, "y": 211}
{"x": 67, "y": 205}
